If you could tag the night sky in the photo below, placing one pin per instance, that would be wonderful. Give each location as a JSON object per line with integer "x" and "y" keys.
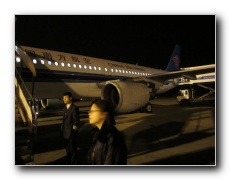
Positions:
{"x": 144, "y": 39}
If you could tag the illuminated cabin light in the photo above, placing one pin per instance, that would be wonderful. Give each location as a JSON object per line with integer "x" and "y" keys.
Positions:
{"x": 49, "y": 62}
{"x": 18, "y": 59}
{"x": 79, "y": 66}
{"x": 74, "y": 65}
{"x": 56, "y": 63}
{"x": 105, "y": 69}
{"x": 95, "y": 68}
{"x": 68, "y": 64}
{"x": 62, "y": 64}
{"x": 99, "y": 68}
{"x": 42, "y": 61}
{"x": 35, "y": 61}
{"x": 85, "y": 66}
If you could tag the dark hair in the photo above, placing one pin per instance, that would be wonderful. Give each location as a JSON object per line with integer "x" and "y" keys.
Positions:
{"x": 105, "y": 106}
{"x": 68, "y": 94}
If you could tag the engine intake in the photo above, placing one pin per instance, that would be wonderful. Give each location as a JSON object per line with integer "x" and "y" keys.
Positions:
{"x": 126, "y": 96}
{"x": 52, "y": 103}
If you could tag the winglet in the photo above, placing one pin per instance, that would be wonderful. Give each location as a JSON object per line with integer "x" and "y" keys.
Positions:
{"x": 174, "y": 63}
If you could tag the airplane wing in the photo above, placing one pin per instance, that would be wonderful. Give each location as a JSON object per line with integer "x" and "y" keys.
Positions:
{"x": 189, "y": 73}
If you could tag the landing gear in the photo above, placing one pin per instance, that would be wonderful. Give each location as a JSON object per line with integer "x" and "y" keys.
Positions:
{"x": 149, "y": 108}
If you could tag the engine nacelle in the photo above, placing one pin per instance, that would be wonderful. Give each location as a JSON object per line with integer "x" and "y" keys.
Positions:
{"x": 126, "y": 96}
{"x": 52, "y": 103}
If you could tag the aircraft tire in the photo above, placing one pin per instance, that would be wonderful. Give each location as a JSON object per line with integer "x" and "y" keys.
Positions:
{"x": 149, "y": 108}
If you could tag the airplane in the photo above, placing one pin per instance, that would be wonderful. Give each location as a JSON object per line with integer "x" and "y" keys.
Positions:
{"x": 128, "y": 87}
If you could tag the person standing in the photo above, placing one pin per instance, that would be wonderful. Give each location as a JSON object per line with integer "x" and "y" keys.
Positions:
{"x": 108, "y": 147}
{"x": 69, "y": 127}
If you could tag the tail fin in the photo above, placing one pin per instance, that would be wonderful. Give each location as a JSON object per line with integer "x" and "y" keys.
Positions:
{"x": 174, "y": 63}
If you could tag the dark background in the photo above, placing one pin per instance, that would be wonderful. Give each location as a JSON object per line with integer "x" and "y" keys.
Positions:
{"x": 144, "y": 39}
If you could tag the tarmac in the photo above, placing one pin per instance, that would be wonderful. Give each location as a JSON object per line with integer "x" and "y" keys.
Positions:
{"x": 169, "y": 136}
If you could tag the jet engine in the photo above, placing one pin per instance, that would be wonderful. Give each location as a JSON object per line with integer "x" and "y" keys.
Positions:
{"x": 52, "y": 103}
{"x": 126, "y": 96}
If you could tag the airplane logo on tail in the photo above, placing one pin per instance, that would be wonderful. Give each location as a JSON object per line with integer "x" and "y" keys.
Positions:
{"x": 176, "y": 61}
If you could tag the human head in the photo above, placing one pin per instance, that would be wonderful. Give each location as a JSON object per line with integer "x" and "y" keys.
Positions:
{"x": 101, "y": 111}
{"x": 67, "y": 97}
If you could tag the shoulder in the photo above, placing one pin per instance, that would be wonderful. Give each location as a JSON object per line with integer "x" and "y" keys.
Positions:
{"x": 115, "y": 134}
{"x": 73, "y": 106}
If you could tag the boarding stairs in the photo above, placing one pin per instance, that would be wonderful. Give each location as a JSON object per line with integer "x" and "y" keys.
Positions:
{"x": 26, "y": 111}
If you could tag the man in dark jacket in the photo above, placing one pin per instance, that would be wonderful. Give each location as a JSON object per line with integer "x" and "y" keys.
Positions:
{"x": 69, "y": 128}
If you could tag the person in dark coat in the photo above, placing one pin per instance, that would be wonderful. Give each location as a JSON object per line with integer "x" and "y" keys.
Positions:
{"x": 69, "y": 127}
{"x": 108, "y": 147}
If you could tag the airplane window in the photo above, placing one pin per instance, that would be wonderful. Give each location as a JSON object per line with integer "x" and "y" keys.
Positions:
{"x": 85, "y": 66}
{"x": 90, "y": 67}
{"x": 68, "y": 64}
{"x": 34, "y": 61}
{"x": 18, "y": 59}
{"x": 74, "y": 65}
{"x": 129, "y": 72}
{"x": 138, "y": 73}
{"x": 132, "y": 72}
{"x": 49, "y": 62}
{"x": 119, "y": 71}
{"x": 105, "y": 69}
{"x": 79, "y": 66}
{"x": 123, "y": 71}
{"x": 116, "y": 70}
{"x": 99, "y": 68}
{"x": 112, "y": 70}
{"x": 141, "y": 73}
{"x": 62, "y": 64}
{"x": 95, "y": 68}
{"x": 42, "y": 61}
{"x": 56, "y": 63}
{"x": 126, "y": 72}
